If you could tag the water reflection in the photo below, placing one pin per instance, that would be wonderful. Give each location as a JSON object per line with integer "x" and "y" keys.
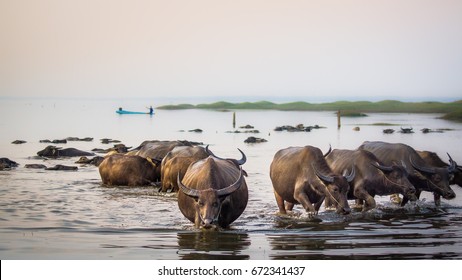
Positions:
{"x": 379, "y": 234}
{"x": 212, "y": 245}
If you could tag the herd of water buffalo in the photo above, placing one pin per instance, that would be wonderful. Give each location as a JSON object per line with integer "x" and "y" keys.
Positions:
{"x": 212, "y": 191}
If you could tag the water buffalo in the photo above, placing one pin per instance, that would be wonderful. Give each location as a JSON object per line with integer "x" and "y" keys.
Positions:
{"x": 157, "y": 150}
{"x": 124, "y": 170}
{"x": 423, "y": 176}
{"x": 372, "y": 177}
{"x": 6, "y": 163}
{"x": 176, "y": 162}
{"x": 433, "y": 159}
{"x": 54, "y": 152}
{"x": 61, "y": 167}
{"x": 213, "y": 192}
{"x": 302, "y": 175}
{"x": 96, "y": 161}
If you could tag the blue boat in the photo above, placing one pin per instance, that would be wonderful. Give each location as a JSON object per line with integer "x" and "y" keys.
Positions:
{"x": 124, "y": 112}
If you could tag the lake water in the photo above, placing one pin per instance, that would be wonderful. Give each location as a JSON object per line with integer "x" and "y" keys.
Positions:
{"x": 70, "y": 215}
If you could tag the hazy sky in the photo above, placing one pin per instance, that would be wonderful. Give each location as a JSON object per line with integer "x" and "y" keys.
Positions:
{"x": 309, "y": 49}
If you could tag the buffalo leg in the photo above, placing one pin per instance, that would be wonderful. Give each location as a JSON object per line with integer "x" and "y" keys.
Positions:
{"x": 280, "y": 203}
{"x": 303, "y": 199}
{"x": 289, "y": 206}
{"x": 369, "y": 201}
{"x": 437, "y": 199}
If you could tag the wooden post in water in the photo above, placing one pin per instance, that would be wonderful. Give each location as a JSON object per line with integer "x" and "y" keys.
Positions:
{"x": 234, "y": 119}
{"x": 338, "y": 119}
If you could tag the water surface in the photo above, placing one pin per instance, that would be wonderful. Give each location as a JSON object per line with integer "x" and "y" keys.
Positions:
{"x": 71, "y": 215}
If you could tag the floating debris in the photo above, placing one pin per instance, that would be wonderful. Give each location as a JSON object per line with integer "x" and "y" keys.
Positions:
{"x": 388, "y": 131}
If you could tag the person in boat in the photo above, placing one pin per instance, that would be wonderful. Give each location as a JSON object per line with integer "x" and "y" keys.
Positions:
{"x": 120, "y": 108}
{"x": 151, "y": 110}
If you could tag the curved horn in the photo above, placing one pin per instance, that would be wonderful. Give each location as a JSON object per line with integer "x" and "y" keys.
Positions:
{"x": 321, "y": 176}
{"x": 453, "y": 165}
{"x": 187, "y": 191}
{"x": 328, "y": 152}
{"x": 422, "y": 168}
{"x": 243, "y": 159}
{"x": 207, "y": 150}
{"x": 232, "y": 188}
{"x": 382, "y": 167}
{"x": 352, "y": 174}
{"x": 240, "y": 162}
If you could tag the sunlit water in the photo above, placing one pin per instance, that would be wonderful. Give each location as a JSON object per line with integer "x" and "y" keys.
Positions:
{"x": 70, "y": 215}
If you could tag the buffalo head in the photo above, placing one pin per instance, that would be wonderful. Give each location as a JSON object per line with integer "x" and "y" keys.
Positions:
{"x": 336, "y": 187}
{"x": 437, "y": 178}
{"x": 396, "y": 176}
{"x": 208, "y": 202}
{"x": 49, "y": 151}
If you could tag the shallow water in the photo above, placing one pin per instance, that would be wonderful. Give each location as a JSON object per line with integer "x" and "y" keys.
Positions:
{"x": 70, "y": 215}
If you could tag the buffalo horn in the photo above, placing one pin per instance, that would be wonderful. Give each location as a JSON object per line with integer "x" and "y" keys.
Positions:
{"x": 321, "y": 176}
{"x": 187, "y": 191}
{"x": 240, "y": 162}
{"x": 352, "y": 174}
{"x": 453, "y": 165}
{"x": 328, "y": 152}
{"x": 232, "y": 188}
{"x": 382, "y": 167}
{"x": 422, "y": 168}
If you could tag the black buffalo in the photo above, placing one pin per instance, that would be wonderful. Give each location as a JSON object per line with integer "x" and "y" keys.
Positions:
{"x": 423, "y": 176}
{"x": 55, "y": 152}
{"x": 372, "y": 177}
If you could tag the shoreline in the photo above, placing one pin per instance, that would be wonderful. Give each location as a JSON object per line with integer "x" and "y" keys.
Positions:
{"x": 451, "y": 110}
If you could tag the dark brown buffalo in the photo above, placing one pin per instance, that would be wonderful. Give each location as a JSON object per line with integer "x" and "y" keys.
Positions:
{"x": 433, "y": 159}
{"x": 372, "y": 177}
{"x": 213, "y": 192}
{"x": 157, "y": 150}
{"x": 302, "y": 175}
{"x": 125, "y": 170}
{"x": 6, "y": 163}
{"x": 61, "y": 167}
{"x": 176, "y": 162}
{"x": 54, "y": 152}
{"x": 423, "y": 176}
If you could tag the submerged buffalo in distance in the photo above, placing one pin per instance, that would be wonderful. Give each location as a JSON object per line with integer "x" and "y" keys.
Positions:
{"x": 372, "y": 177}
{"x": 127, "y": 170}
{"x": 213, "y": 192}
{"x": 433, "y": 159}
{"x": 301, "y": 175}
{"x": 58, "y": 167}
{"x": 6, "y": 163}
{"x": 54, "y": 152}
{"x": 96, "y": 161}
{"x": 423, "y": 176}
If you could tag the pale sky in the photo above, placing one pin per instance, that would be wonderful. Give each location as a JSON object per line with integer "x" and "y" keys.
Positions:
{"x": 339, "y": 49}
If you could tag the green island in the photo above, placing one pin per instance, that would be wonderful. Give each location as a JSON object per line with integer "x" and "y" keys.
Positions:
{"x": 450, "y": 110}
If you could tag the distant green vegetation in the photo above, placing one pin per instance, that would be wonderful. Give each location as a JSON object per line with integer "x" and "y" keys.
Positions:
{"x": 453, "y": 116}
{"x": 452, "y": 110}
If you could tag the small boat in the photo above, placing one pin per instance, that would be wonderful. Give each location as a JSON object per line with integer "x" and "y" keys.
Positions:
{"x": 123, "y": 112}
